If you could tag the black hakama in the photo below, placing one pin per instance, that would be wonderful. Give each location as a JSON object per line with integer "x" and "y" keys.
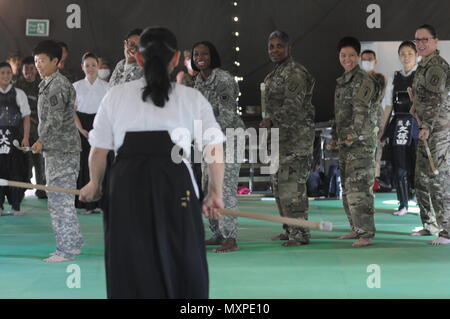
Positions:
{"x": 403, "y": 155}
{"x": 13, "y": 166}
{"x": 154, "y": 235}
{"x": 87, "y": 121}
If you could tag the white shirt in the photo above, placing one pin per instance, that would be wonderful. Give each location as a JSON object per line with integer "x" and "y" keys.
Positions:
{"x": 21, "y": 99}
{"x": 89, "y": 95}
{"x": 122, "y": 110}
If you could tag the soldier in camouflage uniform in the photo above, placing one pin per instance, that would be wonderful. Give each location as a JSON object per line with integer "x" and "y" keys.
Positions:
{"x": 128, "y": 69}
{"x": 60, "y": 142}
{"x": 289, "y": 89}
{"x": 431, "y": 101}
{"x": 369, "y": 60}
{"x": 222, "y": 91}
{"x": 29, "y": 83}
{"x": 357, "y": 97}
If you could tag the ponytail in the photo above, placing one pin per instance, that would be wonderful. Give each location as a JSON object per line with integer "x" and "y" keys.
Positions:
{"x": 157, "y": 45}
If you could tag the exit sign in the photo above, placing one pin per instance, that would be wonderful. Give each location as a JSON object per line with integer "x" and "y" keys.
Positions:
{"x": 38, "y": 27}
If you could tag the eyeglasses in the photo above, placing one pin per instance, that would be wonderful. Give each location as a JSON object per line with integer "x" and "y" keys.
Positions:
{"x": 131, "y": 45}
{"x": 423, "y": 40}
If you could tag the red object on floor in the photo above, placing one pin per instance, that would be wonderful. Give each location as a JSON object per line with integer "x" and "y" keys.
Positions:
{"x": 243, "y": 190}
{"x": 376, "y": 185}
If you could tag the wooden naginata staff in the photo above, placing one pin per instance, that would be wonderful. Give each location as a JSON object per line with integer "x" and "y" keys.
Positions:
{"x": 427, "y": 149}
{"x": 322, "y": 225}
{"x": 425, "y": 142}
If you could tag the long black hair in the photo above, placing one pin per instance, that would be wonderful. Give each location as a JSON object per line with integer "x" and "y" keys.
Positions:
{"x": 157, "y": 46}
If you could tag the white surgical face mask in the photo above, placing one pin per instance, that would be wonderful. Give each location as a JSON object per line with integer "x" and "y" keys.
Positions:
{"x": 367, "y": 66}
{"x": 104, "y": 73}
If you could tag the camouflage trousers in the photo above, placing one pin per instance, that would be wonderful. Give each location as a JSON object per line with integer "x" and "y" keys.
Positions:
{"x": 289, "y": 189}
{"x": 357, "y": 169}
{"x": 433, "y": 192}
{"x": 225, "y": 226}
{"x": 61, "y": 170}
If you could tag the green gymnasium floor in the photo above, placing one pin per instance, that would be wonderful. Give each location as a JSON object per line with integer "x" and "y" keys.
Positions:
{"x": 327, "y": 268}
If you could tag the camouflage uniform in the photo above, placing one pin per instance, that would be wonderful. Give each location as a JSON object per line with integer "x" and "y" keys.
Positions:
{"x": 221, "y": 90}
{"x": 31, "y": 89}
{"x": 126, "y": 74}
{"x": 289, "y": 89}
{"x": 61, "y": 146}
{"x": 357, "y": 97}
{"x": 381, "y": 80}
{"x": 431, "y": 100}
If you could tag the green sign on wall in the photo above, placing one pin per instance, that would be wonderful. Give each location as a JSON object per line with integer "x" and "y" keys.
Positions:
{"x": 38, "y": 27}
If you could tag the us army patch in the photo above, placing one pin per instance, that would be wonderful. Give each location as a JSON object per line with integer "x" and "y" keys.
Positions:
{"x": 435, "y": 79}
{"x": 53, "y": 100}
{"x": 365, "y": 93}
{"x": 293, "y": 86}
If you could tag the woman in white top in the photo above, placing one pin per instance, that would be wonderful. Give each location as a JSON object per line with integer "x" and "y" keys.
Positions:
{"x": 14, "y": 125}
{"x": 154, "y": 233}
{"x": 402, "y": 129}
{"x": 90, "y": 92}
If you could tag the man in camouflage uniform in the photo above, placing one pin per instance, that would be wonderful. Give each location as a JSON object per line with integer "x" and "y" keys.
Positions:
{"x": 357, "y": 97}
{"x": 221, "y": 90}
{"x": 128, "y": 69}
{"x": 61, "y": 145}
{"x": 368, "y": 61}
{"x": 431, "y": 101}
{"x": 289, "y": 89}
{"x": 29, "y": 83}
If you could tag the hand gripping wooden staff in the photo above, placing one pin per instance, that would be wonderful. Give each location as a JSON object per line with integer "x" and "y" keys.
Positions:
{"x": 425, "y": 142}
{"x": 326, "y": 226}
{"x": 23, "y": 149}
{"x": 427, "y": 149}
